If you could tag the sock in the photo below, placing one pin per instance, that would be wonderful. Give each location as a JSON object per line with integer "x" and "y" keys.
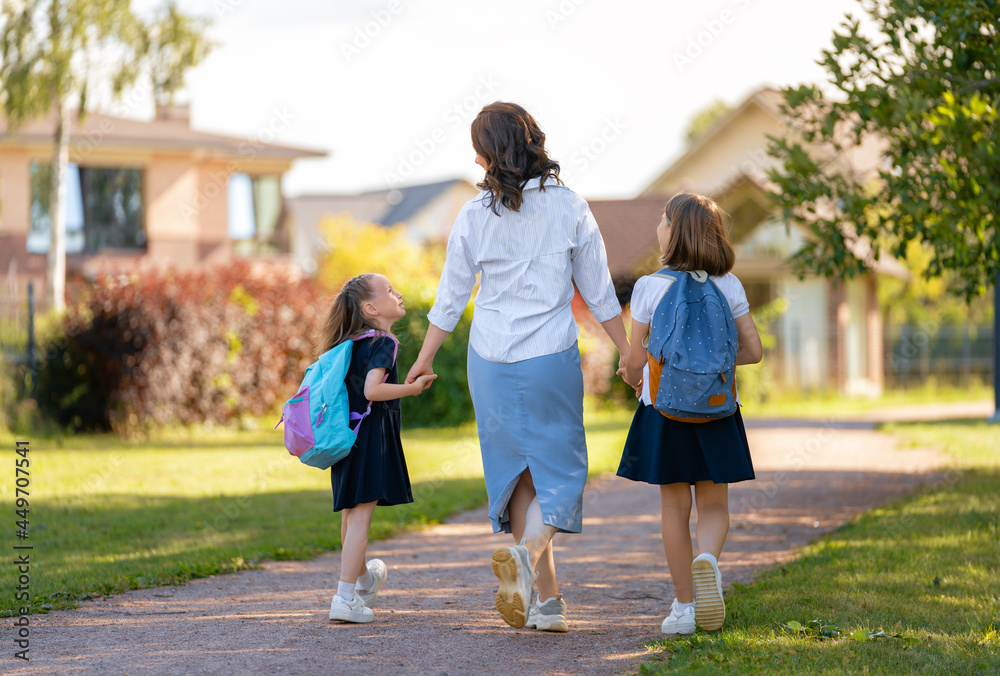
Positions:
{"x": 366, "y": 581}
{"x": 681, "y": 607}
{"x": 345, "y": 590}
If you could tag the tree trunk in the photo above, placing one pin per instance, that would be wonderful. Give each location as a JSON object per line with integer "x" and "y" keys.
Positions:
{"x": 56, "y": 286}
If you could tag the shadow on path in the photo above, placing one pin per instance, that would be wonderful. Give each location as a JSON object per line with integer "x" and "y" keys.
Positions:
{"x": 436, "y": 615}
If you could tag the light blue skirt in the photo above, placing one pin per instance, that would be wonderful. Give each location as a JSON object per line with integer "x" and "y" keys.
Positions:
{"x": 530, "y": 416}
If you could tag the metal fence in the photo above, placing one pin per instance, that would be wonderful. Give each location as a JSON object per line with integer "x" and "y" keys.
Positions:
{"x": 17, "y": 332}
{"x": 916, "y": 354}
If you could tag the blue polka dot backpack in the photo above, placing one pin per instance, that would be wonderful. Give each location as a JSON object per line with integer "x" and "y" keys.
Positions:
{"x": 692, "y": 349}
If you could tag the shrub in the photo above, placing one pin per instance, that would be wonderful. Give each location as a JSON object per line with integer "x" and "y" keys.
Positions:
{"x": 161, "y": 347}
{"x": 167, "y": 347}
{"x": 447, "y": 402}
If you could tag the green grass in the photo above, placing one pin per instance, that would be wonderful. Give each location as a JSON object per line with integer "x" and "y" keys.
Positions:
{"x": 108, "y": 515}
{"x": 925, "y": 570}
{"x": 816, "y": 405}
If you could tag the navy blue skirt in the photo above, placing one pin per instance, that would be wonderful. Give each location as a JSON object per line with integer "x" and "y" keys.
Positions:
{"x": 661, "y": 451}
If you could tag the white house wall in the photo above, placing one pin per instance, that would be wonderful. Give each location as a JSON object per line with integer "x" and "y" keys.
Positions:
{"x": 803, "y": 332}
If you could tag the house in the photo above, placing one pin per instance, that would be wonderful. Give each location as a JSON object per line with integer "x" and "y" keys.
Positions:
{"x": 830, "y": 336}
{"x": 139, "y": 192}
{"x": 428, "y": 211}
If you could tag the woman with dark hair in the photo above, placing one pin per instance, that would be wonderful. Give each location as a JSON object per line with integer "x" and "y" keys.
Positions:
{"x": 529, "y": 238}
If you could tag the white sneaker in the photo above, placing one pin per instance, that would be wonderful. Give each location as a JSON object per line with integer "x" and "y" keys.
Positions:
{"x": 378, "y": 571}
{"x": 548, "y": 616}
{"x": 679, "y": 622}
{"x": 512, "y": 566}
{"x": 354, "y": 611}
{"x": 709, "y": 608}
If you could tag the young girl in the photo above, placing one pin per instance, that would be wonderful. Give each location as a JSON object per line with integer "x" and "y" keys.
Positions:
{"x": 676, "y": 455}
{"x": 374, "y": 472}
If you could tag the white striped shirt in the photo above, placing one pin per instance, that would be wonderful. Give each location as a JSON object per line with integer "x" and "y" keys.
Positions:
{"x": 528, "y": 260}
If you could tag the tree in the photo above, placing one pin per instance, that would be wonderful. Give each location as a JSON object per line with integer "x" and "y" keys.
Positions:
{"x": 172, "y": 44}
{"x": 705, "y": 119}
{"x": 924, "y": 84}
{"x": 47, "y": 52}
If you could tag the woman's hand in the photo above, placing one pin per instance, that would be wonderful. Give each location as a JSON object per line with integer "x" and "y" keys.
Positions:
{"x": 418, "y": 370}
{"x": 421, "y": 383}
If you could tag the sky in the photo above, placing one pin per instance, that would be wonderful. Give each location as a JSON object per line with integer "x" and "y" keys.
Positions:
{"x": 388, "y": 88}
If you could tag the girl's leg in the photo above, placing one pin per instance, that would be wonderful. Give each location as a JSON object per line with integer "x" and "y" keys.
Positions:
{"x": 675, "y": 517}
{"x": 357, "y": 522}
{"x": 713, "y": 516}
{"x": 526, "y": 522}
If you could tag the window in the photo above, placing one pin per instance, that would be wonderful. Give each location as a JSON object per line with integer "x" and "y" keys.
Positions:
{"x": 102, "y": 209}
{"x": 255, "y": 205}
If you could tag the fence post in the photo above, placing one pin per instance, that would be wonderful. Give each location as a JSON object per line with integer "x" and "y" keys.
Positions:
{"x": 32, "y": 360}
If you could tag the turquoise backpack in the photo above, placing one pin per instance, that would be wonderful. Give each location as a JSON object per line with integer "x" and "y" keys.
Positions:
{"x": 320, "y": 428}
{"x": 692, "y": 349}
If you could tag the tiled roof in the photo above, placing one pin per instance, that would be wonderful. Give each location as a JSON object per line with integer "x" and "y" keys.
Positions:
{"x": 168, "y": 134}
{"x": 629, "y": 231}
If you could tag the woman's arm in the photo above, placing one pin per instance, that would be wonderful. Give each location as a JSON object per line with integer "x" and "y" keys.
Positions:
{"x": 424, "y": 365}
{"x": 637, "y": 355}
{"x": 615, "y": 329}
{"x": 376, "y": 390}
{"x": 749, "y": 350}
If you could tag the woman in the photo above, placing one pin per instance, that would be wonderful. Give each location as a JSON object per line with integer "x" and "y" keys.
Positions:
{"x": 530, "y": 239}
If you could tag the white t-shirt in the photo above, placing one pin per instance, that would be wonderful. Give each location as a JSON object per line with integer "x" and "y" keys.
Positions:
{"x": 648, "y": 291}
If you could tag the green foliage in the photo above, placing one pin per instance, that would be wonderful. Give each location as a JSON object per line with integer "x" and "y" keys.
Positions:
{"x": 448, "y": 401}
{"x": 357, "y": 248}
{"x": 903, "y": 148}
{"x": 171, "y": 44}
{"x": 179, "y": 348}
{"x": 705, "y": 119}
{"x": 756, "y": 381}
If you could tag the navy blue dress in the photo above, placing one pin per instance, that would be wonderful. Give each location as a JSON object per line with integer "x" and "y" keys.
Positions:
{"x": 375, "y": 469}
{"x": 661, "y": 451}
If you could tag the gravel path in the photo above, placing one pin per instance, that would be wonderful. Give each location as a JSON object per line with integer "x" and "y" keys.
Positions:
{"x": 436, "y": 615}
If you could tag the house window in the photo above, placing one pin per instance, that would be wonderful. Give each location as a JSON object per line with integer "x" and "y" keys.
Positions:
{"x": 255, "y": 205}
{"x": 102, "y": 209}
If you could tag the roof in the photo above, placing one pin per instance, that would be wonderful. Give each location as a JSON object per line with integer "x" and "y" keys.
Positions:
{"x": 385, "y": 207}
{"x": 629, "y": 231}
{"x": 118, "y": 133}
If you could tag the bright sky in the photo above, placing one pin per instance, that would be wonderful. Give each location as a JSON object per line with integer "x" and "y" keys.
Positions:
{"x": 389, "y": 87}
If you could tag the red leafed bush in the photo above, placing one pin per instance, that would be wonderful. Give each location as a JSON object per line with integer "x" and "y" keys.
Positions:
{"x": 163, "y": 347}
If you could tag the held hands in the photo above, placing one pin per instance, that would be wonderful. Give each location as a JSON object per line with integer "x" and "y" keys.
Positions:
{"x": 417, "y": 370}
{"x": 421, "y": 383}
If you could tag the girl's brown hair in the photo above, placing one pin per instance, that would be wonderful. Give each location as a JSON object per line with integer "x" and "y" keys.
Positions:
{"x": 510, "y": 141}
{"x": 345, "y": 318}
{"x": 699, "y": 235}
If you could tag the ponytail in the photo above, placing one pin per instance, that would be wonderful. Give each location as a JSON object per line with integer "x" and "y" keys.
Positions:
{"x": 345, "y": 318}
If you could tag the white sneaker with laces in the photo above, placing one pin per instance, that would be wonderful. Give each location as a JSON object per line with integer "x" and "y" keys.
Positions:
{"x": 679, "y": 622}
{"x": 354, "y": 611}
{"x": 376, "y": 568}
{"x": 548, "y": 616}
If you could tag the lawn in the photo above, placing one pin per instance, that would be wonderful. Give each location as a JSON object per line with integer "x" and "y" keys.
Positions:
{"x": 923, "y": 572}
{"x": 107, "y": 515}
